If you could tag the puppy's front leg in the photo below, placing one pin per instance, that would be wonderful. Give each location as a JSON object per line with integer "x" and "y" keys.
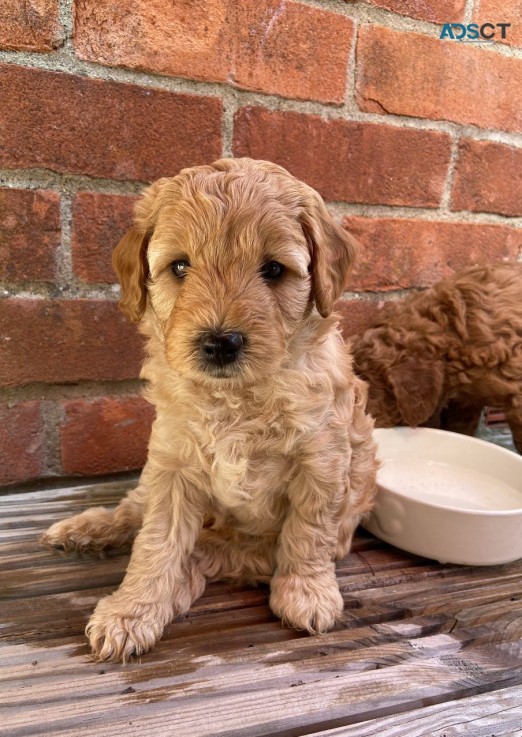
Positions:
{"x": 161, "y": 582}
{"x": 304, "y": 590}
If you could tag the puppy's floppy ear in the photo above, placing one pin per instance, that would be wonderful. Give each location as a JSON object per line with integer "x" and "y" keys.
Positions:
{"x": 417, "y": 385}
{"x": 333, "y": 252}
{"x": 129, "y": 261}
{"x": 129, "y": 258}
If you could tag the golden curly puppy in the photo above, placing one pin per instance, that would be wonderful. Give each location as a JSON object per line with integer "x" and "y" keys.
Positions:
{"x": 440, "y": 356}
{"x": 261, "y": 461}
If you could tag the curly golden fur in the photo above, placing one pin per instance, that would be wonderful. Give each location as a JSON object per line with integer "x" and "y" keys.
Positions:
{"x": 259, "y": 468}
{"x": 440, "y": 356}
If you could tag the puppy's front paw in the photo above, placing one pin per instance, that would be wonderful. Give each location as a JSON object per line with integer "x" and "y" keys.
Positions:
{"x": 311, "y": 602}
{"x": 120, "y": 629}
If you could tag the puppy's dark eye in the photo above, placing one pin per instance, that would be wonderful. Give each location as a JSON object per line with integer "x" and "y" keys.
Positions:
{"x": 180, "y": 268}
{"x": 272, "y": 271}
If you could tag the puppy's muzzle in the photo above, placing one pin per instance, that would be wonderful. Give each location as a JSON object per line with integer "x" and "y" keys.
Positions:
{"x": 220, "y": 349}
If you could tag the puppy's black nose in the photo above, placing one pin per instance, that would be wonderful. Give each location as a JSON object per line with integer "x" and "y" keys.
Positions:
{"x": 221, "y": 348}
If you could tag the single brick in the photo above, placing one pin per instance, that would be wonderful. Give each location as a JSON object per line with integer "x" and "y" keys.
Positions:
{"x": 356, "y": 314}
{"x": 177, "y": 38}
{"x": 488, "y": 178}
{"x": 501, "y": 11}
{"x": 424, "y": 77}
{"x": 30, "y": 25}
{"x": 283, "y": 48}
{"x": 105, "y": 435}
{"x": 22, "y": 446}
{"x": 29, "y": 234}
{"x": 99, "y": 221}
{"x": 437, "y": 11}
{"x": 399, "y": 253}
{"x": 292, "y": 50}
{"x": 62, "y": 341}
{"x": 349, "y": 161}
{"x": 98, "y": 128}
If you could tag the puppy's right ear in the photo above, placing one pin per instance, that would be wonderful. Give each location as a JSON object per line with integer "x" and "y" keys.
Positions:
{"x": 129, "y": 261}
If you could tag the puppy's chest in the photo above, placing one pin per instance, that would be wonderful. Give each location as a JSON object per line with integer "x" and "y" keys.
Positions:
{"x": 246, "y": 465}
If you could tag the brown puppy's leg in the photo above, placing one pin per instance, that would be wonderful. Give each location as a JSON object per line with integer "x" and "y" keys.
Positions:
{"x": 161, "y": 581}
{"x": 98, "y": 529}
{"x": 461, "y": 417}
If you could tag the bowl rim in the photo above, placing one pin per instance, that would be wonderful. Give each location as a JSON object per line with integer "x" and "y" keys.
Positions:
{"x": 451, "y": 510}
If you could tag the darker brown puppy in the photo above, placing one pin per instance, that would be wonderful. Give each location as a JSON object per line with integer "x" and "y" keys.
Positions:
{"x": 440, "y": 356}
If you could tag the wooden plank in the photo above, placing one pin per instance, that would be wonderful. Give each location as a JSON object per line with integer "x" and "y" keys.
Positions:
{"x": 58, "y": 578}
{"x": 497, "y": 714}
{"x": 92, "y": 493}
{"x": 416, "y": 595}
{"x": 264, "y": 662}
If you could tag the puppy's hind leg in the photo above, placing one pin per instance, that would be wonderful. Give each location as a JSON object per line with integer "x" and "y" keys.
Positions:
{"x": 362, "y": 484}
{"x": 98, "y": 529}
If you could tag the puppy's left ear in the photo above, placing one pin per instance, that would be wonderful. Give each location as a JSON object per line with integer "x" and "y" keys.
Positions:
{"x": 417, "y": 386}
{"x": 129, "y": 258}
{"x": 333, "y": 253}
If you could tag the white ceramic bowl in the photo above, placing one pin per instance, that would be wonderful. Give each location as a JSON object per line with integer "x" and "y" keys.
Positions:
{"x": 449, "y": 497}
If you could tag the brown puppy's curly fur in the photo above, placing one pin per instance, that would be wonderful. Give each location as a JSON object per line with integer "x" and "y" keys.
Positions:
{"x": 260, "y": 467}
{"x": 440, "y": 356}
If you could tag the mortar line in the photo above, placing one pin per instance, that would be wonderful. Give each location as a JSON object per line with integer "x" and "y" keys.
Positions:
{"x": 340, "y": 209}
{"x": 468, "y": 10}
{"x": 372, "y": 296}
{"x": 445, "y": 203}
{"x": 53, "y": 415}
{"x": 70, "y": 290}
{"x": 83, "y": 389}
{"x": 230, "y": 107}
{"x": 63, "y": 264}
{"x": 350, "y": 107}
{"x": 66, "y": 19}
{"x": 67, "y": 183}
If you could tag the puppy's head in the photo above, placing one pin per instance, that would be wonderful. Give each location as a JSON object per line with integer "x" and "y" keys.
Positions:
{"x": 229, "y": 260}
{"x": 403, "y": 388}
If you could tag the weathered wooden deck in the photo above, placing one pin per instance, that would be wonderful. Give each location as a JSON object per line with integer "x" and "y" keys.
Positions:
{"x": 426, "y": 649}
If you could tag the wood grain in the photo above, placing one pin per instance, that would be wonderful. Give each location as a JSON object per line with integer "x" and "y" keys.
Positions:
{"x": 423, "y": 649}
{"x": 498, "y": 713}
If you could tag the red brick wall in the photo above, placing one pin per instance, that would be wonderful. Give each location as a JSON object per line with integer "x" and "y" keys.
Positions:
{"x": 416, "y": 144}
